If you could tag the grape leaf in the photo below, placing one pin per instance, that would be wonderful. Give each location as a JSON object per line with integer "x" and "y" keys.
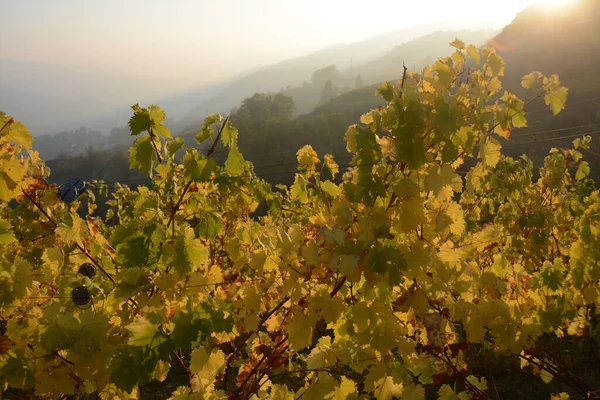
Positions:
{"x": 556, "y": 100}
{"x": 582, "y": 171}
{"x": 6, "y": 234}
{"x": 205, "y": 365}
{"x": 141, "y": 155}
{"x": 530, "y": 79}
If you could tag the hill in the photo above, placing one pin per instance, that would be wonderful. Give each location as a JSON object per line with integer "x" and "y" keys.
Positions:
{"x": 562, "y": 41}
{"x": 418, "y": 53}
{"x": 296, "y": 72}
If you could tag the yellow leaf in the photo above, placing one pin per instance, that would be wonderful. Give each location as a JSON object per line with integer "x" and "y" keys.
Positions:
{"x": 413, "y": 392}
{"x": 441, "y": 176}
{"x": 346, "y": 388}
{"x": 206, "y": 366}
{"x": 310, "y": 253}
{"x": 71, "y": 233}
{"x": 386, "y": 388}
{"x": 161, "y": 370}
{"x": 496, "y": 64}
{"x": 300, "y": 329}
{"x": 530, "y": 79}
{"x": 473, "y": 53}
{"x": 556, "y": 99}
{"x": 411, "y": 214}
{"x": 307, "y": 157}
{"x": 459, "y": 44}
{"x": 143, "y": 333}
{"x": 490, "y": 152}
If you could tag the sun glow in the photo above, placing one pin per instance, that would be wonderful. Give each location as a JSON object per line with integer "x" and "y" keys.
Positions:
{"x": 555, "y": 3}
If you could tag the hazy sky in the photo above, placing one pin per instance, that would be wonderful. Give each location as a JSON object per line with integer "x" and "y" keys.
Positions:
{"x": 98, "y": 55}
{"x": 208, "y": 40}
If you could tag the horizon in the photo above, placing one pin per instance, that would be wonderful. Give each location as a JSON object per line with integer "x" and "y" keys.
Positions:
{"x": 77, "y": 54}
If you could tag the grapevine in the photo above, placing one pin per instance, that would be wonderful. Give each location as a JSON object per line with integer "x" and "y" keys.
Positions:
{"x": 373, "y": 282}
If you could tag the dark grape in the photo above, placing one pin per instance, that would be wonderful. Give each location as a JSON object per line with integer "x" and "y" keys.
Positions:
{"x": 81, "y": 296}
{"x": 88, "y": 270}
{"x": 69, "y": 190}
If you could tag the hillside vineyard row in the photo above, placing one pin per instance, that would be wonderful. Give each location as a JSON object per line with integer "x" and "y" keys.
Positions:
{"x": 382, "y": 283}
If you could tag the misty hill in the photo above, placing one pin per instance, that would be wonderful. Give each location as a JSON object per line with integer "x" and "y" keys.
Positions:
{"x": 296, "y": 72}
{"x": 418, "y": 53}
{"x": 53, "y": 98}
{"x": 561, "y": 41}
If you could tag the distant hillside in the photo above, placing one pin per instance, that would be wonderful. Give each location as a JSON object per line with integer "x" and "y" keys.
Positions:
{"x": 296, "y": 72}
{"x": 418, "y": 53}
{"x": 53, "y": 98}
{"x": 563, "y": 41}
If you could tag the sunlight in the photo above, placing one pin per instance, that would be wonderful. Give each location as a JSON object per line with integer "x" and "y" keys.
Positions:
{"x": 555, "y": 3}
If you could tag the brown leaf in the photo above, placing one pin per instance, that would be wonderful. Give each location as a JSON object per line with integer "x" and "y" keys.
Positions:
{"x": 5, "y": 344}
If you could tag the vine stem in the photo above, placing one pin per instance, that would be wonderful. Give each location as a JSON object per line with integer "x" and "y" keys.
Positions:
{"x": 209, "y": 153}
{"x": 186, "y": 369}
{"x": 7, "y": 123}
{"x": 152, "y": 135}
{"x": 80, "y": 247}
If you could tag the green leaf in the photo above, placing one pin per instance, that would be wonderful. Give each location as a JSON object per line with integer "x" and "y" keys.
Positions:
{"x": 206, "y": 130}
{"x": 386, "y": 91}
{"x": 198, "y": 168}
{"x": 189, "y": 326}
{"x": 15, "y": 371}
{"x": 6, "y": 234}
{"x": 583, "y": 170}
{"x": 62, "y": 334}
{"x": 556, "y": 99}
{"x": 229, "y": 134}
{"x": 141, "y": 155}
{"x": 130, "y": 366}
{"x": 143, "y": 332}
{"x": 140, "y": 122}
{"x": 234, "y": 165}
{"x": 175, "y": 145}
{"x": 330, "y": 188}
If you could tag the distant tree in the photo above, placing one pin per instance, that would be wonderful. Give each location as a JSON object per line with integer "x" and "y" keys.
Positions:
{"x": 329, "y": 92}
{"x": 321, "y": 76}
{"x": 263, "y": 112}
{"x": 358, "y": 83}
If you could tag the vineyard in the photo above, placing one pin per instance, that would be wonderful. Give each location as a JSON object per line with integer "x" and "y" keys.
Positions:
{"x": 396, "y": 278}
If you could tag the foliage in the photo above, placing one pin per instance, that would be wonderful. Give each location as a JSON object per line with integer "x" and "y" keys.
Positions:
{"x": 329, "y": 92}
{"x": 378, "y": 287}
